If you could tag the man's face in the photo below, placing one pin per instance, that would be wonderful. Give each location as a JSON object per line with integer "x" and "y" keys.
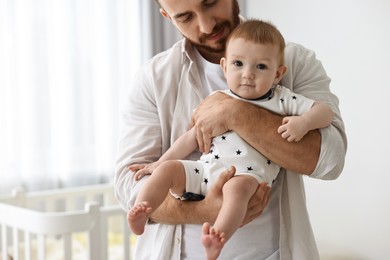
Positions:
{"x": 206, "y": 23}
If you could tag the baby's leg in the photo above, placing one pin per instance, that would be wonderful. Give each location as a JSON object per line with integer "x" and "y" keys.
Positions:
{"x": 169, "y": 175}
{"x": 236, "y": 194}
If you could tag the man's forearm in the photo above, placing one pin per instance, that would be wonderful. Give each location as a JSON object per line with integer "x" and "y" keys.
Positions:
{"x": 258, "y": 127}
{"x": 175, "y": 211}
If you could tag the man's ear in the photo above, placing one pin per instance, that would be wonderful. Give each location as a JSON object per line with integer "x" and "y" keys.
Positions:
{"x": 165, "y": 14}
{"x": 282, "y": 70}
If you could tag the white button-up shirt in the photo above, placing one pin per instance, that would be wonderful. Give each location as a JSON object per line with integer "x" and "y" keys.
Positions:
{"x": 157, "y": 111}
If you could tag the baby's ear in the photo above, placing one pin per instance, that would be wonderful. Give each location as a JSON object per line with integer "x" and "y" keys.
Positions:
{"x": 222, "y": 62}
{"x": 282, "y": 70}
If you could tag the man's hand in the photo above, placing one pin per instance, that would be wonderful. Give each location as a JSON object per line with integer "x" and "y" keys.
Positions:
{"x": 214, "y": 198}
{"x": 257, "y": 203}
{"x": 210, "y": 119}
{"x": 212, "y": 203}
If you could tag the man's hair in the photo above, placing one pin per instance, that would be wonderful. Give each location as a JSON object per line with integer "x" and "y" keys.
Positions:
{"x": 260, "y": 32}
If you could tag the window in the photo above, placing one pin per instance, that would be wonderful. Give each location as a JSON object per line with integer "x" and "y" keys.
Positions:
{"x": 64, "y": 67}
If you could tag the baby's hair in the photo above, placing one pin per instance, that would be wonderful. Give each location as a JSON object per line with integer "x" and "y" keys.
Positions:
{"x": 261, "y": 32}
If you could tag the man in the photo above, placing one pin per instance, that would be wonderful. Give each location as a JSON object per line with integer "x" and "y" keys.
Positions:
{"x": 166, "y": 92}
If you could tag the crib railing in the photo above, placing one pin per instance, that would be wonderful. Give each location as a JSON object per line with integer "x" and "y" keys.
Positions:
{"x": 27, "y": 218}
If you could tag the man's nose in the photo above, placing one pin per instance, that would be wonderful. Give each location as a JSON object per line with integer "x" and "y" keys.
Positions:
{"x": 206, "y": 23}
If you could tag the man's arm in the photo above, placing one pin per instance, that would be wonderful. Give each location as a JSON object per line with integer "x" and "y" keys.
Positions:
{"x": 206, "y": 210}
{"x": 320, "y": 153}
{"x": 262, "y": 134}
{"x": 258, "y": 127}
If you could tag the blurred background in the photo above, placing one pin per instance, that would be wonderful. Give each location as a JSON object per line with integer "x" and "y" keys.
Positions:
{"x": 350, "y": 216}
{"x": 65, "y": 66}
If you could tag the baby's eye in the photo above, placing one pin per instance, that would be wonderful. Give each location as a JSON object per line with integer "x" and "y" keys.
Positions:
{"x": 237, "y": 63}
{"x": 261, "y": 66}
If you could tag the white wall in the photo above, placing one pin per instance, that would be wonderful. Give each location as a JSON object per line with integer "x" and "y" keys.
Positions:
{"x": 350, "y": 216}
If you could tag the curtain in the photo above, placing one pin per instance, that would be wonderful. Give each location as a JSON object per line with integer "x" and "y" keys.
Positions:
{"x": 158, "y": 34}
{"x": 64, "y": 68}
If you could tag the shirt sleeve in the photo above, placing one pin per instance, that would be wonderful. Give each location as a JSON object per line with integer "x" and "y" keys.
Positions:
{"x": 140, "y": 138}
{"x": 307, "y": 77}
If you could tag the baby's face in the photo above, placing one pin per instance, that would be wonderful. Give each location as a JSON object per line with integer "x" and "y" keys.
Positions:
{"x": 250, "y": 68}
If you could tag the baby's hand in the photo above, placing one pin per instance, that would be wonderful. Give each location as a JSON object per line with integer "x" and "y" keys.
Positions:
{"x": 140, "y": 170}
{"x": 293, "y": 128}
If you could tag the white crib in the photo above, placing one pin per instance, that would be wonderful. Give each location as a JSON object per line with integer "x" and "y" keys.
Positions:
{"x": 73, "y": 223}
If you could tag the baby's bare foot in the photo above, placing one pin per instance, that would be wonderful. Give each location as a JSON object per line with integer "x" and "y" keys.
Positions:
{"x": 213, "y": 241}
{"x": 137, "y": 217}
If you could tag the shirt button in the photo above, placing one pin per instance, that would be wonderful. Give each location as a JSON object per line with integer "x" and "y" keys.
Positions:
{"x": 178, "y": 241}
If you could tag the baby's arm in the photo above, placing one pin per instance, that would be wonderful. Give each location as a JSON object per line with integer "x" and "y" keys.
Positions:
{"x": 180, "y": 149}
{"x": 293, "y": 128}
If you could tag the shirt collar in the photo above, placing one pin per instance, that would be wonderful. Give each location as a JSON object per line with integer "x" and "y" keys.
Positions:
{"x": 187, "y": 51}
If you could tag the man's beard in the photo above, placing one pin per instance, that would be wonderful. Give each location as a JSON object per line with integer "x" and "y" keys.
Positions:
{"x": 221, "y": 44}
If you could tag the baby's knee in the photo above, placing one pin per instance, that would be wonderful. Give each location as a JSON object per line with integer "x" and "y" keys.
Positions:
{"x": 172, "y": 166}
{"x": 241, "y": 185}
